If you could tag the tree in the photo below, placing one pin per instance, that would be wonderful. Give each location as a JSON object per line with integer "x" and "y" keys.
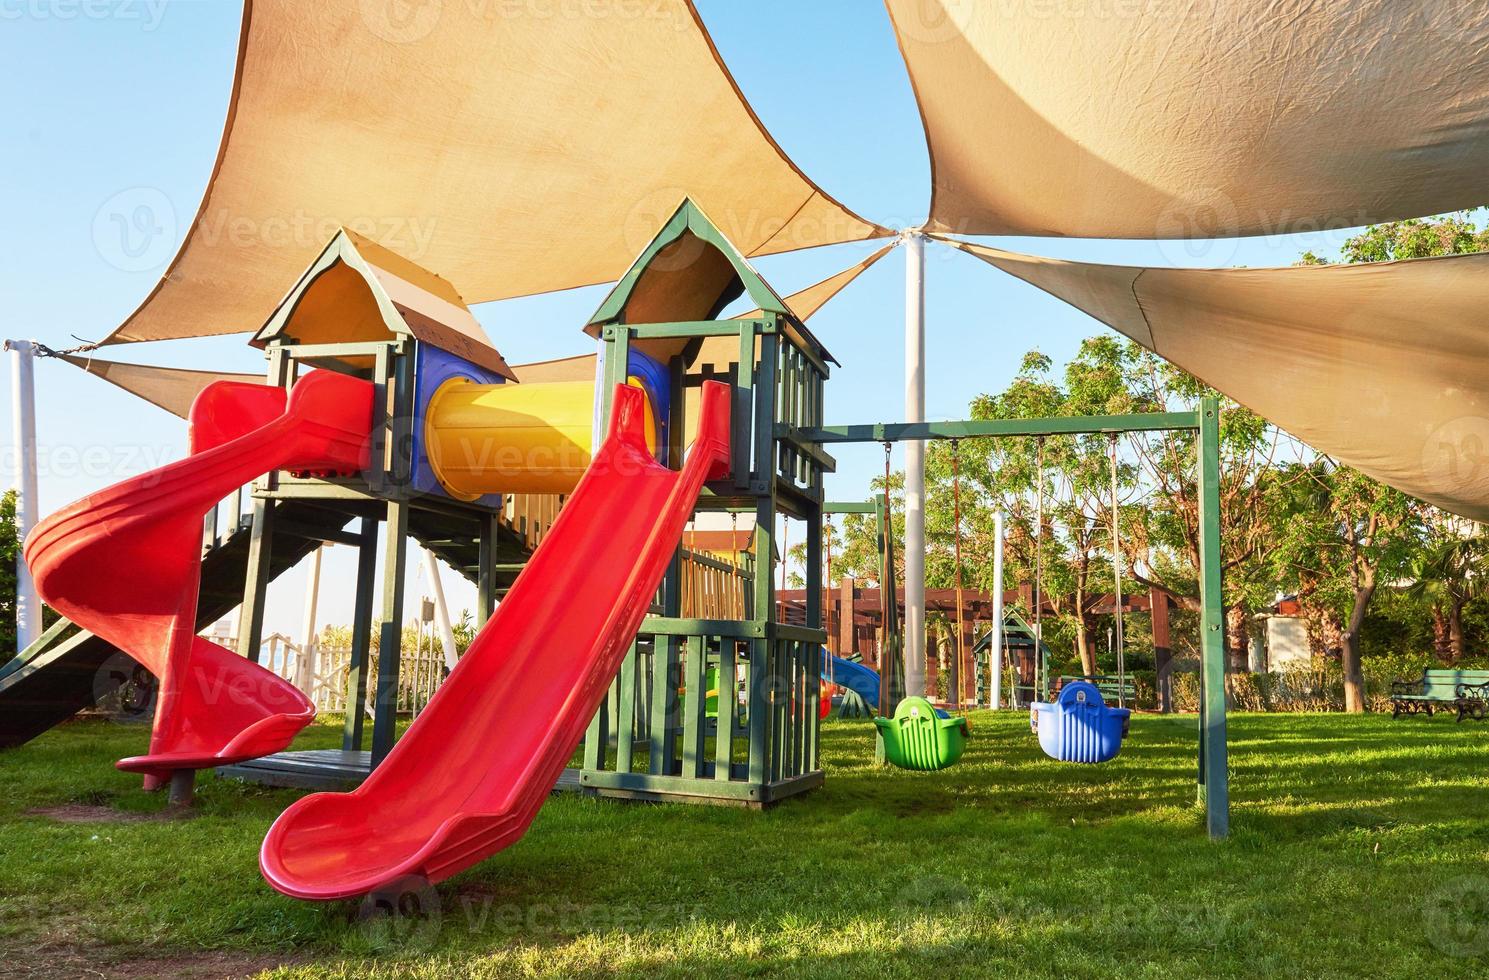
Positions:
{"x": 855, "y": 537}
{"x": 10, "y": 549}
{"x": 1378, "y": 530}
{"x": 1348, "y": 534}
{"x": 1449, "y": 572}
{"x": 1071, "y": 472}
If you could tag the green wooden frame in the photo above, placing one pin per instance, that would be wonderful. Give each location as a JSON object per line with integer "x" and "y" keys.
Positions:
{"x": 646, "y": 742}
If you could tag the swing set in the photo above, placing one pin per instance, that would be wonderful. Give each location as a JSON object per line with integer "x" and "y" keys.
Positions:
{"x": 919, "y": 736}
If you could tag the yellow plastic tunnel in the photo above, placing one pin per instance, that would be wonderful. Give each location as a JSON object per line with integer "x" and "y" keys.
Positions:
{"x": 514, "y": 438}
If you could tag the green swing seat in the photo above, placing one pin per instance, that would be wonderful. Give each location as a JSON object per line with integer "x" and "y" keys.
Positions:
{"x": 920, "y": 737}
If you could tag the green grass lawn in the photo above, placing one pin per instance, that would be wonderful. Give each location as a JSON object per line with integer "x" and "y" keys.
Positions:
{"x": 1359, "y": 847}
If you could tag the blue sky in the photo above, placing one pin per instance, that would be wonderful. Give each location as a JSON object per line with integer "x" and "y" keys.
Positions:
{"x": 108, "y": 97}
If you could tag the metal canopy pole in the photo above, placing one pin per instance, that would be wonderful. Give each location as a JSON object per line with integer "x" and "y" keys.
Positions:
{"x": 914, "y": 465}
{"x": 1119, "y": 648}
{"x": 1214, "y": 776}
{"x": 995, "y": 649}
{"x": 23, "y": 404}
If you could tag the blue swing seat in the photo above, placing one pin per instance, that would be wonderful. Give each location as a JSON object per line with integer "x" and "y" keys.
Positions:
{"x": 1078, "y": 726}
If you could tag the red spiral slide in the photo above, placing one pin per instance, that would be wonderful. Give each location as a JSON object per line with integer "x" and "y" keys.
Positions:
{"x": 473, "y": 770}
{"x": 125, "y": 563}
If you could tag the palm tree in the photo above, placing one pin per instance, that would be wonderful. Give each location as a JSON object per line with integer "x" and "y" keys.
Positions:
{"x": 1447, "y": 574}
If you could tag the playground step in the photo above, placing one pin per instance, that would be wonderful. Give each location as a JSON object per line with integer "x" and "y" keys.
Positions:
{"x": 337, "y": 770}
{"x": 68, "y": 669}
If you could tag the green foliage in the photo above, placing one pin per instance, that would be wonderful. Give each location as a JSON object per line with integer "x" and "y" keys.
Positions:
{"x": 10, "y": 549}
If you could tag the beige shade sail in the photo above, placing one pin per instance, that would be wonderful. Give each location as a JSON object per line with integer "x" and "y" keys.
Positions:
{"x": 173, "y": 389}
{"x": 808, "y": 301}
{"x": 1384, "y": 366}
{"x": 1198, "y": 118}
{"x": 509, "y": 150}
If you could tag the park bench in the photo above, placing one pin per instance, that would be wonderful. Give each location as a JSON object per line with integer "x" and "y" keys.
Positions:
{"x": 1115, "y": 690}
{"x": 1464, "y": 691}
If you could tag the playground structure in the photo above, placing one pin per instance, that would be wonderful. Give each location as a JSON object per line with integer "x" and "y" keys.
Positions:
{"x": 391, "y": 355}
{"x": 383, "y": 405}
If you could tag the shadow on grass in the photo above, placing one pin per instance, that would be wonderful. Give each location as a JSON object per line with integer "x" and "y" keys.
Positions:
{"x": 1008, "y": 862}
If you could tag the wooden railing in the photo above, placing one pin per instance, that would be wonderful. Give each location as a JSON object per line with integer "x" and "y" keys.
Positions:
{"x": 713, "y": 588}
{"x": 530, "y": 515}
{"x": 323, "y": 677}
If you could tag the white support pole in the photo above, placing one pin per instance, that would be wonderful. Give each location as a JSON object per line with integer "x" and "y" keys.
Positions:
{"x": 1119, "y": 646}
{"x": 914, "y": 465}
{"x": 995, "y": 649}
{"x": 441, "y": 611}
{"x": 23, "y": 405}
{"x": 305, "y": 662}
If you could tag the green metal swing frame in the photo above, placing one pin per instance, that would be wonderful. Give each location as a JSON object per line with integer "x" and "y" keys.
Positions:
{"x": 1213, "y": 784}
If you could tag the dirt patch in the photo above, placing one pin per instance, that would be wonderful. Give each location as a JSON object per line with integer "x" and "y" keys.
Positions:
{"x": 51, "y": 961}
{"x": 88, "y": 813}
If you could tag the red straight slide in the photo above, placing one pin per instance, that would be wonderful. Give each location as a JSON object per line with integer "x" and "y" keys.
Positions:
{"x": 125, "y": 563}
{"x": 471, "y": 773}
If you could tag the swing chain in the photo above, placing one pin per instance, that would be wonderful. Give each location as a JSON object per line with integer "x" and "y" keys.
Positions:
{"x": 956, "y": 525}
{"x": 1121, "y": 653}
{"x": 1039, "y": 668}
